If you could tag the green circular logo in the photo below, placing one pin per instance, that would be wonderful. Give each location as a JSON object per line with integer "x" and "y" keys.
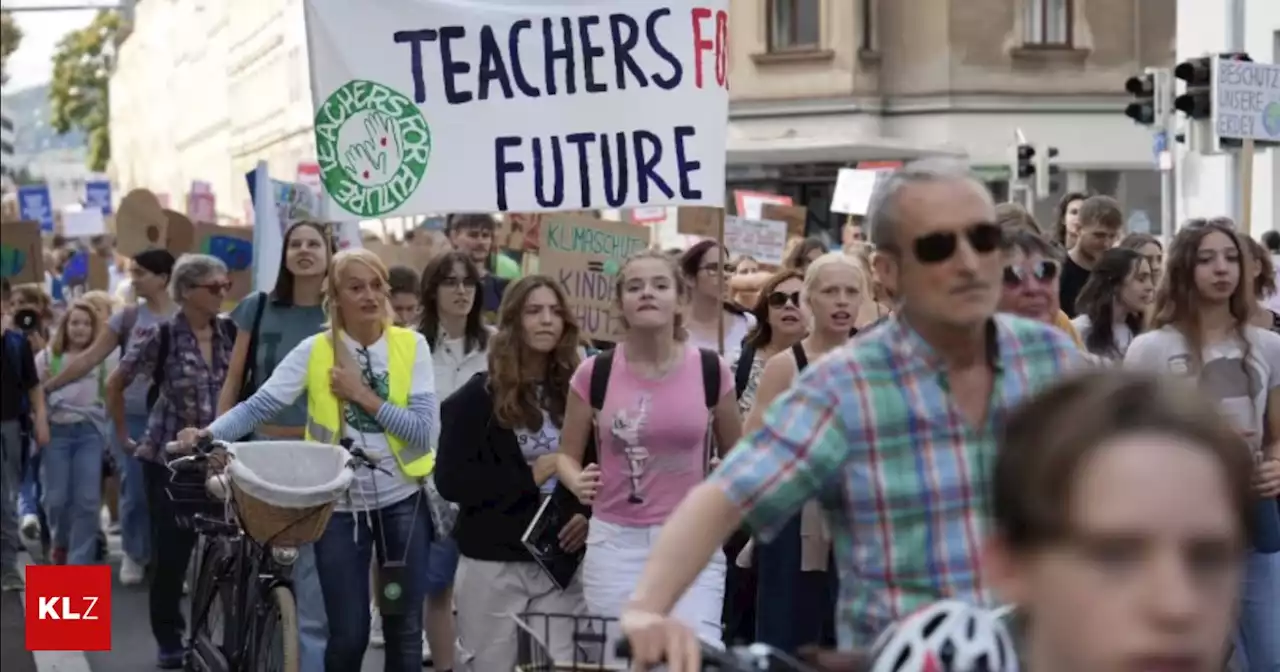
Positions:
{"x": 392, "y": 591}
{"x": 611, "y": 267}
{"x": 373, "y": 146}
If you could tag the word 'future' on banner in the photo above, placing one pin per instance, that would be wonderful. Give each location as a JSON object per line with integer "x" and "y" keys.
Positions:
{"x": 574, "y": 58}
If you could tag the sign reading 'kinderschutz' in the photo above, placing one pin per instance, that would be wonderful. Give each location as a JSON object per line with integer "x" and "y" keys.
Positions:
{"x": 480, "y": 106}
{"x": 1248, "y": 104}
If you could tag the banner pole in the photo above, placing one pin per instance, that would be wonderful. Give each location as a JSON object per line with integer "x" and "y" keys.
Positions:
{"x": 723, "y": 262}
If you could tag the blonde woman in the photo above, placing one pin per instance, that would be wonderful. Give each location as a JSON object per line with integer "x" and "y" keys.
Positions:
{"x": 376, "y": 384}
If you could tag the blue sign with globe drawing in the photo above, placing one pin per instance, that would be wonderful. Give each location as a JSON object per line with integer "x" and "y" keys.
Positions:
{"x": 1247, "y": 105}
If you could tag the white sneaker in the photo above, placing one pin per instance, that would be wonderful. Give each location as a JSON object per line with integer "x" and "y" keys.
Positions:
{"x": 376, "y": 640}
{"x": 30, "y": 528}
{"x": 131, "y": 573}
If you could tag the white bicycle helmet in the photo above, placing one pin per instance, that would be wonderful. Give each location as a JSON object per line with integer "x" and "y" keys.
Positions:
{"x": 947, "y": 636}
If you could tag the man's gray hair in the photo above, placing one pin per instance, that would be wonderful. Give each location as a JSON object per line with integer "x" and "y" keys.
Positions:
{"x": 882, "y": 211}
{"x": 192, "y": 270}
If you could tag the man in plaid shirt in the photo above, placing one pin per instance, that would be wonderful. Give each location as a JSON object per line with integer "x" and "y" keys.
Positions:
{"x": 895, "y": 434}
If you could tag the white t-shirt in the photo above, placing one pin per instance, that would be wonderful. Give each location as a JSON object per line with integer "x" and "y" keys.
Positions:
{"x": 288, "y": 382}
{"x": 81, "y": 399}
{"x": 1241, "y": 390}
{"x": 735, "y": 329}
{"x": 1121, "y": 334}
{"x": 536, "y": 444}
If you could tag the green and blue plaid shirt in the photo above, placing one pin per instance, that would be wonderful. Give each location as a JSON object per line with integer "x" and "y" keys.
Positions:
{"x": 871, "y": 431}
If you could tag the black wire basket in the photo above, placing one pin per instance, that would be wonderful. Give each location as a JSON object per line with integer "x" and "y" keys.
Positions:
{"x": 580, "y": 640}
{"x": 190, "y": 497}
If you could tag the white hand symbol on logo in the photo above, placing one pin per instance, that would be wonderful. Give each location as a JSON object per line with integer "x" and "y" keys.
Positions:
{"x": 373, "y": 158}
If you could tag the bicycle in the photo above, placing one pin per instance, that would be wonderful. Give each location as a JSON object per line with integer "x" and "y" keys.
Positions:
{"x": 242, "y": 574}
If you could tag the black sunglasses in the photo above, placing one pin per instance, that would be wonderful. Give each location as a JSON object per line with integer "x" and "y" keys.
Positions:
{"x": 936, "y": 248}
{"x": 780, "y": 299}
{"x": 1043, "y": 271}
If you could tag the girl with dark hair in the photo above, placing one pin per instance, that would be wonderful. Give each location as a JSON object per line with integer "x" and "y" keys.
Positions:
{"x": 803, "y": 253}
{"x": 1112, "y": 306}
{"x": 1067, "y": 227}
{"x": 497, "y": 460}
{"x": 268, "y": 327}
{"x": 452, "y": 322}
{"x": 703, "y": 266}
{"x": 1150, "y": 248}
{"x": 1264, "y": 285}
{"x": 1201, "y": 330}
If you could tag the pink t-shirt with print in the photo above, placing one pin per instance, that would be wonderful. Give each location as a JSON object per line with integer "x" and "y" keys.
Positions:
{"x": 652, "y": 438}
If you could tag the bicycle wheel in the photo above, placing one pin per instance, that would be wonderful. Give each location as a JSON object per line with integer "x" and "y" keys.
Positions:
{"x": 276, "y": 633}
{"x": 211, "y": 605}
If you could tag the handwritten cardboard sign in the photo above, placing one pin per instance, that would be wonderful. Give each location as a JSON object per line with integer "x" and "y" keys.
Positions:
{"x": 415, "y": 257}
{"x": 762, "y": 240}
{"x": 21, "y": 253}
{"x": 793, "y": 215}
{"x": 141, "y": 224}
{"x": 234, "y": 246}
{"x": 698, "y": 221}
{"x": 180, "y": 233}
{"x": 585, "y": 255}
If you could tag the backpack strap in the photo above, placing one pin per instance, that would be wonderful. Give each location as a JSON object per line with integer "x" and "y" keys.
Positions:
{"x": 250, "y": 370}
{"x": 802, "y": 359}
{"x": 600, "y": 378}
{"x": 742, "y": 372}
{"x": 710, "y": 377}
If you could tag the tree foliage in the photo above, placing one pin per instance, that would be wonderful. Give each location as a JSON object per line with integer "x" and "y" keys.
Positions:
{"x": 10, "y": 38}
{"x": 78, "y": 94}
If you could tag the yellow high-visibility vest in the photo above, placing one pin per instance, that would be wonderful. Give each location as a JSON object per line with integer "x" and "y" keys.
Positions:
{"x": 323, "y": 408}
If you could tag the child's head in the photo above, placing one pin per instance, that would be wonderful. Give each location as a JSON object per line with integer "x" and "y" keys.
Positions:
{"x": 1101, "y": 223}
{"x": 77, "y": 327}
{"x": 101, "y": 301}
{"x": 1123, "y": 508}
{"x": 404, "y": 295}
{"x": 651, "y": 291}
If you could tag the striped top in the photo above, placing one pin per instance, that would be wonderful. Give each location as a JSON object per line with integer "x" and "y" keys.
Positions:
{"x": 872, "y": 432}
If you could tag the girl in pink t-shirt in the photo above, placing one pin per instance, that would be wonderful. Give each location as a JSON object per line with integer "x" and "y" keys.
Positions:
{"x": 652, "y": 431}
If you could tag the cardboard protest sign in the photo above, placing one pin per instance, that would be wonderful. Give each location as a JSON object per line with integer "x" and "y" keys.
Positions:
{"x": 750, "y": 204}
{"x": 440, "y": 105}
{"x": 793, "y": 215}
{"x": 584, "y": 254}
{"x": 140, "y": 223}
{"x": 411, "y": 256}
{"x": 84, "y": 271}
{"x": 234, "y": 246}
{"x": 21, "y": 252}
{"x": 762, "y": 240}
{"x": 699, "y": 221}
{"x": 179, "y": 234}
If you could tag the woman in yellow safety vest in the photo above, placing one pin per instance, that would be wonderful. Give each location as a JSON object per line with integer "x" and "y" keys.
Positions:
{"x": 377, "y": 386}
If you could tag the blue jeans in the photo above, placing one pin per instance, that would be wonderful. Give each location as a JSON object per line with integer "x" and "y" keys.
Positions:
{"x": 343, "y": 555}
{"x": 1260, "y": 613}
{"x": 135, "y": 520}
{"x": 313, "y": 627}
{"x": 71, "y": 480}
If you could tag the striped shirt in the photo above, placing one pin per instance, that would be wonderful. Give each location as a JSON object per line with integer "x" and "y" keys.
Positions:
{"x": 871, "y": 431}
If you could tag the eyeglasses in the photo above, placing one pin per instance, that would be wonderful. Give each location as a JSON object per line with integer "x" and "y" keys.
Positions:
{"x": 217, "y": 287}
{"x": 1044, "y": 271}
{"x": 936, "y": 248}
{"x": 780, "y": 299}
{"x": 727, "y": 269}
{"x": 454, "y": 283}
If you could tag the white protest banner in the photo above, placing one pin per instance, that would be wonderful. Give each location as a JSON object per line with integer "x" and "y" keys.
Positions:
{"x": 761, "y": 239}
{"x": 480, "y": 106}
{"x": 853, "y": 190}
{"x": 1247, "y": 100}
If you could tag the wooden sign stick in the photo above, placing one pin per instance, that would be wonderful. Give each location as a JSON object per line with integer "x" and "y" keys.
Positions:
{"x": 1246, "y": 187}
{"x": 723, "y": 262}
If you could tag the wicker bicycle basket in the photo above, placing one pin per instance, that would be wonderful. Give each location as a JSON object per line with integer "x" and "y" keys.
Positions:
{"x": 285, "y": 491}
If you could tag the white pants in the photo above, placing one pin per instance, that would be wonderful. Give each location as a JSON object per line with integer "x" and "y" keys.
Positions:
{"x": 616, "y": 555}
{"x": 489, "y": 594}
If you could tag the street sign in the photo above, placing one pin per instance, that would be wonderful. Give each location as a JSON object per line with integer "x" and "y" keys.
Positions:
{"x": 1247, "y": 100}
{"x": 35, "y": 205}
{"x": 97, "y": 196}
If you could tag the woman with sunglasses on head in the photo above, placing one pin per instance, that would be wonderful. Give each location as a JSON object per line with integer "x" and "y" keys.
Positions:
{"x": 1201, "y": 331}
{"x": 707, "y": 271}
{"x": 795, "y": 601}
{"x": 451, "y": 318}
{"x": 186, "y": 359}
{"x": 498, "y": 455}
{"x": 657, "y": 400}
{"x": 268, "y": 326}
{"x": 372, "y": 382}
{"x": 1150, "y": 248}
{"x": 1112, "y": 306}
{"x": 1030, "y": 284}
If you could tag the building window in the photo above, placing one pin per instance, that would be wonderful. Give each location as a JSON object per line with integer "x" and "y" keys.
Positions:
{"x": 1047, "y": 22}
{"x": 793, "y": 25}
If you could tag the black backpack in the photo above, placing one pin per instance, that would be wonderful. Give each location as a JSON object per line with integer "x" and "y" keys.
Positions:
{"x": 224, "y": 325}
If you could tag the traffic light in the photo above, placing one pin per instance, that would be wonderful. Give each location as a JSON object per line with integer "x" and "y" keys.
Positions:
{"x": 1045, "y": 171}
{"x": 1024, "y": 164}
{"x": 1143, "y": 108}
{"x": 1197, "y": 101}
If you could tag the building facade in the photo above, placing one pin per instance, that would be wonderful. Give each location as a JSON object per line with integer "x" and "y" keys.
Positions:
{"x": 820, "y": 84}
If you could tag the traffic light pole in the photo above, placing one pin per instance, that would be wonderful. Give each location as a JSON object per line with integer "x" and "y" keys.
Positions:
{"x": 1167, "y": 118}
{"x": 1235, "y": 179}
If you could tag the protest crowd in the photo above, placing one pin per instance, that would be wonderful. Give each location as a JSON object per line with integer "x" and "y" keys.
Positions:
{"x": 947, "y": 437}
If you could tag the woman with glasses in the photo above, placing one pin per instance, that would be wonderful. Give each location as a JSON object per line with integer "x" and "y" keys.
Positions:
{"x": 1030, "y": 284}
{"x": 186, "y": 359}
{"x": 703, "y": 266}
{"x": 1114, "y": 302}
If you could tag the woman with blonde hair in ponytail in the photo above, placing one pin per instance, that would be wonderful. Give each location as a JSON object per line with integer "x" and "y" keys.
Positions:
{"x": 371, "y": 382}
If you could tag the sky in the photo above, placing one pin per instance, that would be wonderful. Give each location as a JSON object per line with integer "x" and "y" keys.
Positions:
{"x": 32, "y": 63}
